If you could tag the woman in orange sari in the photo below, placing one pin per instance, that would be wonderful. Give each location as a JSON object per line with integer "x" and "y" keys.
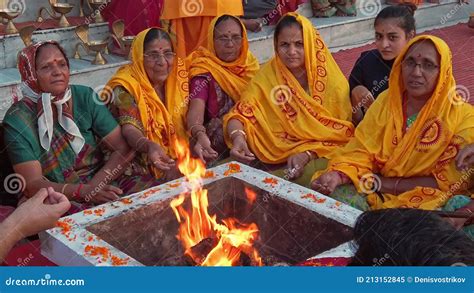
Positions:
{"x": 403, "y": 153}
{"x": 219, "y": 75}
{"x": 296, "y": 108}
{"x": 188, "y": 21}
{"x": 150, "y": 101}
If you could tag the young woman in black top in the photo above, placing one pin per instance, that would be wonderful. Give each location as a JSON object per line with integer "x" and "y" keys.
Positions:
{"x": 394, "y": 27}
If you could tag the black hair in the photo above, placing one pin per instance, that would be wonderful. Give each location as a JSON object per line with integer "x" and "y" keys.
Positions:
{"x": 51, "y": 44}
{"x": 286, "y": 21}
{"x": 225, "y": 17}
{"x": 156, "y": 34}
{"x": 409, "y": 237}
{"x": 404, "y": 12}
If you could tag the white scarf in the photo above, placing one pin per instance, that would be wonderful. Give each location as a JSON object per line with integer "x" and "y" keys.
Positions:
{"x": 46, "y": 121}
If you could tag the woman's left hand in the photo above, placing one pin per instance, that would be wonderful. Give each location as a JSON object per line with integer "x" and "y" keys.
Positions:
{"x": 465, "y": 157}
{"x": 296, "y": 164}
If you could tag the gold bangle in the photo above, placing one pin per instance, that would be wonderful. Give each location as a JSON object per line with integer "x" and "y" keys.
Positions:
{"x": 309, "y": 155}
{"x": 395, "y": 189}
{"x": 198, "y": 132}
{"x": 136, "y": 144}
{"x": 237, "y": 131}
{"x": 190, "y": 131}
{"x": 64, "y": 188}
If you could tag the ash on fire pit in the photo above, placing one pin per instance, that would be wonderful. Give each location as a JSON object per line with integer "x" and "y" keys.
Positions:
{"x": 294, "y": 223}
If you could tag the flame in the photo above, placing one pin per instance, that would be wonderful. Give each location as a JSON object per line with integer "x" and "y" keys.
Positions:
{"x": 251, "y": 195}
{"x": 233, "y": 237}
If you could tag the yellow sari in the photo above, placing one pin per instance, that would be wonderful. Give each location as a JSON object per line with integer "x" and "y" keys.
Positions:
{"x": 162, "y": 123}
{"x": 428, "y": 148}
{"x": 281, "y": 119}
{"x": 232, "y": 77}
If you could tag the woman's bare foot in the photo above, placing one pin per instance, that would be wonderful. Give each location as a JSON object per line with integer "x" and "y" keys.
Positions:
{"x": 253, "y": 25}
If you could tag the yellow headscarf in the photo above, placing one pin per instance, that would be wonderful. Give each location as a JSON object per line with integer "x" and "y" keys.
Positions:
{"x": 444, "y": 125}
{"x": 162, "y": 122}
{"x": 281, "y": 119}
{"x": 232, "y": 77}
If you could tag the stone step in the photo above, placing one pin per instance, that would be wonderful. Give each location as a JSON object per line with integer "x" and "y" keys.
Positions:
{"x": 11, "y": 44}
{"x": 346, "y": 32}
{"x": 30, "y": 8}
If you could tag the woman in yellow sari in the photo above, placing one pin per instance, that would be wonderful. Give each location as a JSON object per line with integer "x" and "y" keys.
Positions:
{"x": 296, "y": 108}
{"x": 218, "y": 76}
{"x": 150, "y": 100}
{"x": 403, "y": 153}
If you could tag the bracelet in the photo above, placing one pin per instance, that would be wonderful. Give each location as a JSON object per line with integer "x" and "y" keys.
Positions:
{"x": 396, "y": 186}
{"x": 64, "y": 188}
{"x": 201, "y": 127}
{"x": 136, "y": 144}
{"x": 196, "y": 134}
{"x": 238, "y": 131}
{"x": 341, "y": 176}
{"x": 77, "y": 193}
{"x": 310, "y": 155}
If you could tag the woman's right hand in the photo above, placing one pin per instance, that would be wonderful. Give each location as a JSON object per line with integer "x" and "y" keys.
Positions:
{"x": 240, "y": 150}
{"x": 96, "y": 195}
{"x": 158, "y": 157}
{"x": 327, "y": 183}
{"x": 203, "y": 148}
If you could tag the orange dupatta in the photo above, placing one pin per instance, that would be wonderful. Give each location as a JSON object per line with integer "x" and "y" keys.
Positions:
{"x": 444, "y": 125}
{"x": 189, "y": 20}
{"x": 232, "y": 77}
{"x": 162, "y": 123}
{"x": 281, "y": 119}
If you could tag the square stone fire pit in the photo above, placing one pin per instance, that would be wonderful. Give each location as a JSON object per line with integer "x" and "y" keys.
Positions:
{"x": 295, "y": 223}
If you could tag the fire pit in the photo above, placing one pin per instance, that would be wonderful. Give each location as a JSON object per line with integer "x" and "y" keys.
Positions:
{"x": 294, "y": 223}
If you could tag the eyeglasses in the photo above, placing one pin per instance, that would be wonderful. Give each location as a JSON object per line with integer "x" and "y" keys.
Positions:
{"x": 225, "y": 40}
{"x": 155, "y": 57}
{"x": 410, "y": 64}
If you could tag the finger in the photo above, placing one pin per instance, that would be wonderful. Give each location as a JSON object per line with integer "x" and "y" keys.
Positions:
{"x": 114, "y": 189}
{"x": 239, "y": 156}
{"x": 199, "y": 153}
{"x": 161, "y": 165}
{"x": 460, "y": 159}
{"x": 291, "y": 164}
{"x": 62, "y": 207}
{"x": 109, "y": 196}
{"x": 248, "y": 153}
{"x": 316, "y": 185}
{"x": 470, "y": 161}
{"x": 210, "y": 151}
{"x": 57, "y": 197}
{"x": 298, "y": 172}
{"x": 40, "y": 196}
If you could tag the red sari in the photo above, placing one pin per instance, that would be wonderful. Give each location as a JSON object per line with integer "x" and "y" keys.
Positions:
{"x": 137, "y": 14}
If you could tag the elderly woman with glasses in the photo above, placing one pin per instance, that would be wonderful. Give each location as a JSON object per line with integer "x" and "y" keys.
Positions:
{"x": 219, "y": 74}
{"x": 404, "y": 151}
{"x": 150, "y": 101}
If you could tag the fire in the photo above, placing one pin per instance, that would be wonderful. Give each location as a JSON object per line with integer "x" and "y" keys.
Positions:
{"x": 251, "y": 195}
{"x": 229, "y": 238}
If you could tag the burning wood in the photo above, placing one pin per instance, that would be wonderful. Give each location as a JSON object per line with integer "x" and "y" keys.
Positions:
{"x": 205, "y": 241}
